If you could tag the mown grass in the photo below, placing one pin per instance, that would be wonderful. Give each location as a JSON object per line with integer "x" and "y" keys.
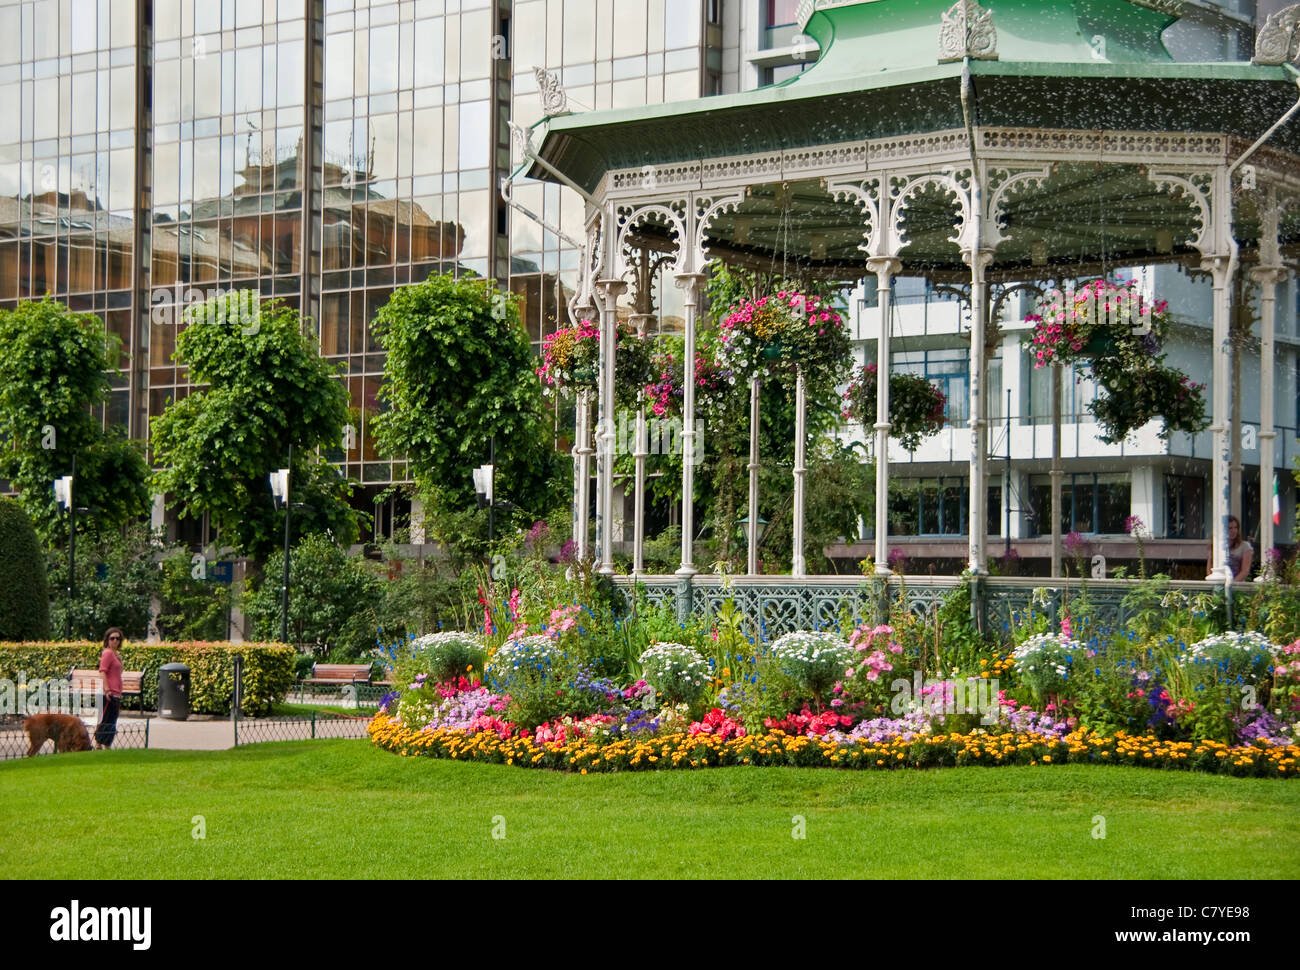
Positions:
{"x": 343, "y": 809}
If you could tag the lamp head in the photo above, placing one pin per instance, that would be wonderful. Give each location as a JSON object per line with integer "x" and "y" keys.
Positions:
{"x": 63, "y": 492}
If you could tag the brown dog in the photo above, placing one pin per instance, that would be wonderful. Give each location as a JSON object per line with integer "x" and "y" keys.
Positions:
{"x": 67, "y": 731}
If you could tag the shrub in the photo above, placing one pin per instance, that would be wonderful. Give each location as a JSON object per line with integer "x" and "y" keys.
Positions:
{"x": 678, "y": 672}
{"x": 1247, "y": 657}
{"x": 192, "y": 609}
{"x": 268, "y": 668}
{"x": 117, "y": 578}
{"x": 444, "y": 657}
{"x": 814, "y": 661}
{"x": 24, "y": 593}
{"x": 334, "y": 600}
{"x": 1043, "y": 662}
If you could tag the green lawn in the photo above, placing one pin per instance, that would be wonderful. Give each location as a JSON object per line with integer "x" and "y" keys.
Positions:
{"x": 344, "y": 809}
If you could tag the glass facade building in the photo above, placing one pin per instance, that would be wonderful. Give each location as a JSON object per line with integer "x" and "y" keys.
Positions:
{"x": 322, "y": 152}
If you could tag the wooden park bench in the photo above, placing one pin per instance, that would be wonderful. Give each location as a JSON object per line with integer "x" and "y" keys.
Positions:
{"x": 91, "y": 682}
{"x": 338, "y": 675}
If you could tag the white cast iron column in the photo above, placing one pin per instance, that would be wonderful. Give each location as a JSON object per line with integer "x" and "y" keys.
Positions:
{"x": 584, "y": 451}
{"x": 752, "y": 561}
{"x": 1222, "y": 268}
{"x": 640, "y": 453}
{"x": 690, "y": 285}
{"x": 885, "y": 267}
{"x": 609, "y": 291}
{"x": 1268, "y": 275}
{"x": 979, "y": 260}
{"x": 797, "y": 565}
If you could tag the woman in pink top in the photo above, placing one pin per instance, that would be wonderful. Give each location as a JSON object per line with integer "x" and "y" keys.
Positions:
{"x": 110, "y": 665}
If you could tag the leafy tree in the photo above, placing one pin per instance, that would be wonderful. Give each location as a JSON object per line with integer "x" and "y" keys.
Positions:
{"x": 267, "y": 388}
{"x": 460, "y": 370}
{"x": 334, "y": 600}
{"x": 117, "y": 581}
{"x": 192, "y": 609}
{"x": 24, "y": 594}
{"x": 54, "y": 375}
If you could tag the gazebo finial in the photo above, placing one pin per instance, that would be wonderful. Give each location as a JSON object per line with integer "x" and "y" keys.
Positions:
{"x": 1279, "y": 38}
{"x": 554, "y": 100}
{"x": 967, "y": 31}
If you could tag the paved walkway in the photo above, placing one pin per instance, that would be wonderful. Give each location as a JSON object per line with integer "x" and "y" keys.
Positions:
{"x": 196, "y": 734}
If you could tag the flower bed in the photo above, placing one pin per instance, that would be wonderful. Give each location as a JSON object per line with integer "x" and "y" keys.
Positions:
{"x": 708, "y": 750}
{"x": 1172, "y": 690}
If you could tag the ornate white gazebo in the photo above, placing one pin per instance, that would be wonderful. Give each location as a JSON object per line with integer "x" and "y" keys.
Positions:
{"x": 973, "y": 144}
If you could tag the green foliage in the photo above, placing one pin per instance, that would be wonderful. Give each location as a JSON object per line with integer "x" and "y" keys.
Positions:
{"x": 54, "y": 377}
{"x": 268, "y": 668}
{"x": 424, "y": 595}
{"x": 960, "y": 645}
{"x": 192, "y": 609}
{"x": 117, "y": 578}
{"x": 267, "y": 388}
{"x": 334, "y": 600}
{"x": 442, "y": 658}
{"x": 535, "y": 672}
{"x": 458, "y": 371}
{"x": 24, "y": 593}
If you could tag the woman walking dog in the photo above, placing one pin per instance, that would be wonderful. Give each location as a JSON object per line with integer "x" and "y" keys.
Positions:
{"x": 110, "y": 665}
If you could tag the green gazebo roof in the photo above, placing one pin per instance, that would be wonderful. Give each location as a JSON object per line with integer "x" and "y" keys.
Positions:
{"x": 1081, "y": 64}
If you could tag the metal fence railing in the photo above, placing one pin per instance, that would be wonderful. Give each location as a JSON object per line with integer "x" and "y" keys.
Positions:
{"x": 306, "y": 727}
{"x": 14, "y": 742}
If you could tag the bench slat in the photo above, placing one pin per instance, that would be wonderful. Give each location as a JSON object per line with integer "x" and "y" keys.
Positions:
{"x": 93, "y": 680}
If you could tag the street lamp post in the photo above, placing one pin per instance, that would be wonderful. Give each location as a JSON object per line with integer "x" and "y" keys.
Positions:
{"x": 63, "y": 496}
{"x": 280, "y": 491}
{"x": 485, "y": 487}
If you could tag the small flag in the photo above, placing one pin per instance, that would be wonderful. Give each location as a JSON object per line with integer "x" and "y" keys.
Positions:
{"x": 1277, "y": 503}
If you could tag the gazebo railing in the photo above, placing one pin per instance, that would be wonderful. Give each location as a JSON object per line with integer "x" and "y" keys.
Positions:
{"x": 783, "y": 604}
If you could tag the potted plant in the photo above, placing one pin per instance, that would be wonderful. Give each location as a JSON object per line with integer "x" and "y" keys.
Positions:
{"x": 915, "y": 405}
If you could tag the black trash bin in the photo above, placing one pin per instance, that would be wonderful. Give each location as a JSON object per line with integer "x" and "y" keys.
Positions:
{"x": 174, "y": 692}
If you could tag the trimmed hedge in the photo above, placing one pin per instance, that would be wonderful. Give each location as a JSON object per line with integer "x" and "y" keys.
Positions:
{"x": 268, "y": 668}
{"x": 24, "y": 589}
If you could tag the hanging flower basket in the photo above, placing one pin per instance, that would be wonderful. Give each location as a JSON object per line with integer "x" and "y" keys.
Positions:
{"x": 1118, "y": 334}
{"x": 1099, "y": 319}
{"x": 1135, "y": 396}
{"x": 633, "y": 368}
{"x": 665, "y": 392}
{"x": 570, "y": 359}
{"x": 915, "y": 405}
{"x": 770, "y": 336}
